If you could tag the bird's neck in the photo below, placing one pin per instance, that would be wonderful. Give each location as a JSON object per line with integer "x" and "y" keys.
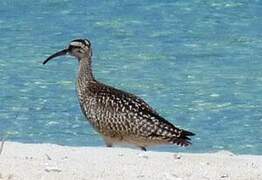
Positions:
{"x": 85, "y": 73}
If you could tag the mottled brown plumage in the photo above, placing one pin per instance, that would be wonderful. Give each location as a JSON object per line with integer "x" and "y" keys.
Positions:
{"x": 120, "y": 117}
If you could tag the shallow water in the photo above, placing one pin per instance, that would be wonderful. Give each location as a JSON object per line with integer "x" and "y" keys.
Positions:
{"x": 198, "y": 63}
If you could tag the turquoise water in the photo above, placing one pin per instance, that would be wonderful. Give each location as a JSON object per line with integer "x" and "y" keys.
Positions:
{"x": 199, "y": 63}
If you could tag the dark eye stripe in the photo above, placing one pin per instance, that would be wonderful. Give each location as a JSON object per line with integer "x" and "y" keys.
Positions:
{"x": 85, "y": 42}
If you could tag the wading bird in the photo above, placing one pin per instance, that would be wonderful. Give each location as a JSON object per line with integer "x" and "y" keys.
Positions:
{"x": 119, "y": 116}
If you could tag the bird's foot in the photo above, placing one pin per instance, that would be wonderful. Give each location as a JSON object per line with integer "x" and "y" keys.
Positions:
{"x": 142, "y": 148}
{"x": 109, "y": 145}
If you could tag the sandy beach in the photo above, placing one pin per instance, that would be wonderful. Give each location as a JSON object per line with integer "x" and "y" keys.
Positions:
{"x": 54, "y": 162}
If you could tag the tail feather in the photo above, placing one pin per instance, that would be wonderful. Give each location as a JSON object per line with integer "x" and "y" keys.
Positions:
{"x": 183, "y": 139}
{"x": 187, "y": 133}
{"x": 180, "y": 142}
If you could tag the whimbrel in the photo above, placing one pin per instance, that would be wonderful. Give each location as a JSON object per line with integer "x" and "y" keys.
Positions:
{"x": 119, "y": 116}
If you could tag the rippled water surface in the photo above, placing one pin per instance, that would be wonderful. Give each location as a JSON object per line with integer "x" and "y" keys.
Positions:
{"x": 199, "y": 63}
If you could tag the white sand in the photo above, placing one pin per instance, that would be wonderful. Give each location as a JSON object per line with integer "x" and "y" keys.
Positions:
{"x": 48, "y": 161}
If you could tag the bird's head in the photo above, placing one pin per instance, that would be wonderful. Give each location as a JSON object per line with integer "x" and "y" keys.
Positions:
{"x": 78, "y": 48}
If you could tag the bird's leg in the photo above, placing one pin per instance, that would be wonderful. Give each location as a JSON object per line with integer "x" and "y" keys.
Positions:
{"x": 109, "y": 144}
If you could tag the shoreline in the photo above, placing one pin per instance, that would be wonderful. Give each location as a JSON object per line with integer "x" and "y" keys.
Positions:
{"x": 51, "y": 161}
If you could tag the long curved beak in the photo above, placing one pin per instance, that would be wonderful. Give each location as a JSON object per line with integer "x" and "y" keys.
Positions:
{"x": 59, "y": 53}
